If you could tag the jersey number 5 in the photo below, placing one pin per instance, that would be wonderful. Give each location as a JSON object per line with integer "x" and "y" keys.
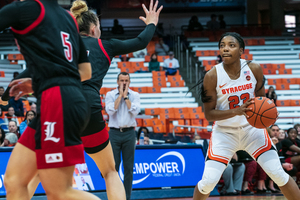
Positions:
{"x": 67, "y": 46}
{"x": 235, "y": 100}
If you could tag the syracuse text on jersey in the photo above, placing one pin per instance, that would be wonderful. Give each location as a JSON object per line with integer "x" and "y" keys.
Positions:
{"x": 237, "y": 88}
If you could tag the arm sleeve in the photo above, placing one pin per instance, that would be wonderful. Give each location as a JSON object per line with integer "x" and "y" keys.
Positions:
{"x": 24, "y": 74}
{"x": 135, "y": 105}
{"x": 120, "y": 47}
{"x": 82, "y": 52}
{"x": 9, "y": 16}
{"x": 110, "y": 104}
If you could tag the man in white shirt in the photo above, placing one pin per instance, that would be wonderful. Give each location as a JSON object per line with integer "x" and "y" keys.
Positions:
{"x": 122, "y": 105}
{"x": 171, "y": 64}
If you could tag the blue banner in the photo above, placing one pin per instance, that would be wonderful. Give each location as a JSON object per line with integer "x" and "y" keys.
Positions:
{"x": 166, "y": 168}
{"x": 153, "y": 168}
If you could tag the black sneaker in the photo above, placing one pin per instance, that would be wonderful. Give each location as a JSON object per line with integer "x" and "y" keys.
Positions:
{"x": 274, "y": 191}
{"x": 247, "y": 192}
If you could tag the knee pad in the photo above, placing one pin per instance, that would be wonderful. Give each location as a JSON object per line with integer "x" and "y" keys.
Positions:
{"x": 272, "y": 166}
{"x": 211, "y": 177}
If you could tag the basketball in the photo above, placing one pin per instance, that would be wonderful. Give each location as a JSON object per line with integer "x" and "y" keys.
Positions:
{"x": 263, "y": 113}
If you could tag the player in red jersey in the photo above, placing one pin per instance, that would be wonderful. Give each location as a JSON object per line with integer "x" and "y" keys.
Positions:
{"x": 57, "y": 63}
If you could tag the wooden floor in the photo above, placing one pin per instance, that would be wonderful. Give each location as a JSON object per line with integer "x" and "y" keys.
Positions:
{"x": 237, "y": 198}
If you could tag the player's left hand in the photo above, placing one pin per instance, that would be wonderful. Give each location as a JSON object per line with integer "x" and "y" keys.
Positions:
{"x": 152, "y": 14}
{"x": 20, "y": 87}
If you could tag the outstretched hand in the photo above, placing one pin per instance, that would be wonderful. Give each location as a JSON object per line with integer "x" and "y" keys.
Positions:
{"x": 20, "y": 87}
{"x": 152, "y": 14}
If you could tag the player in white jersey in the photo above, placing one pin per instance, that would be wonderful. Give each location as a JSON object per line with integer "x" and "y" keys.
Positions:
{"x": 227, "y": 90}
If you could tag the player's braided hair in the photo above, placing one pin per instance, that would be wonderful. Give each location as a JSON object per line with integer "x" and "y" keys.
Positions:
{"x": 83, "y": 16}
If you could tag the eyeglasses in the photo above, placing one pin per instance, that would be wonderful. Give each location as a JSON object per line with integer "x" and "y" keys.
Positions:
{"x": 30, "y": 115}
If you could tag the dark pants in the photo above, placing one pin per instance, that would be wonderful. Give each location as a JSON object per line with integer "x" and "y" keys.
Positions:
{"x": 124, "y": 142}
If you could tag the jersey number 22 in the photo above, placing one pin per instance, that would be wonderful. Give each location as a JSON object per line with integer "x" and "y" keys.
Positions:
{"x": 235, "y": 100}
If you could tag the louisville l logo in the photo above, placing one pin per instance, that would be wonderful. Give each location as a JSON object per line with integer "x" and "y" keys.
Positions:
{"x": 49, "y": 131}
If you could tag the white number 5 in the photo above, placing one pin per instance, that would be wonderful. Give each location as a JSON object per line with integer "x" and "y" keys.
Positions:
{"x": 67, "y": 45}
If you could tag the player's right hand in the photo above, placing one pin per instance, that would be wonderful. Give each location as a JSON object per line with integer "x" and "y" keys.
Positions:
{"x": 243, "y": 108}
{"x": 152, "y": 14}
{"x": 20, "y": 87}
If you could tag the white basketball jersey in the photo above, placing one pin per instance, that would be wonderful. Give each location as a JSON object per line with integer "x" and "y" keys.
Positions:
{"x": 234, "y": 93}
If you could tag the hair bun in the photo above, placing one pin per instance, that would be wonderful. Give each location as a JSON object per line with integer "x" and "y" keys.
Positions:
{"x": 79, "y": 7}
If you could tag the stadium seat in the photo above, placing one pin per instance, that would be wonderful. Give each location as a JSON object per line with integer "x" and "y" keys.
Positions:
{"x": 158, "y": 129}
{"x": 152, "y": 111}
{"x": 163, "y": 116}
{"x": 139, "y": 122}
{"x": 180, "y": 83}
{"x": 285, "y": 71}
{"x": 266, "y": 66}
{"x": 283, "y": 102}
{"x": 141, "y": 89}
{"x": 156, "y": 121}
{"x": 280, "y": 86}
{"x": 214, "y": 52}
{"x": 162, "y": 58}
{"x": 147, "y": 59}
{"x": 13, "y": 58}
{"x": 103, "y": 90}
{"x": 147, "y": 122}
{"x": 127, "y": 69}
{"x": 269, "y": 71}
{"x": 209, "y": 62}
{"x": 182, "y": 115}
{"x": 296, "y": 40}
{"x": 138, "y": 65}
{"x": 196, "y": 115}
{"x": 174, "y": 78}
{"x": 124, "y": 64}
{"x": 278, "y": 66}
{"x": 167, "y": 110}
{"x": 153, "y": 89}
{"x": 247, "y": 56}
{"x": 246, "y": 51}
{"x": 158, "y": 73}
{"x": 289, "y": 80}
{"x": 178, "y": 111}
{"x": 274, "y": 81}
{"x": 159, "y": 81}
{"x": 202, "y": 53}
{"x": 151, "y": 48}
{"x": 208, "y": 67}
{"x": 195, "y": 110}
{"x": 295, "y": 102}
{"x": 2, "y": 74}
